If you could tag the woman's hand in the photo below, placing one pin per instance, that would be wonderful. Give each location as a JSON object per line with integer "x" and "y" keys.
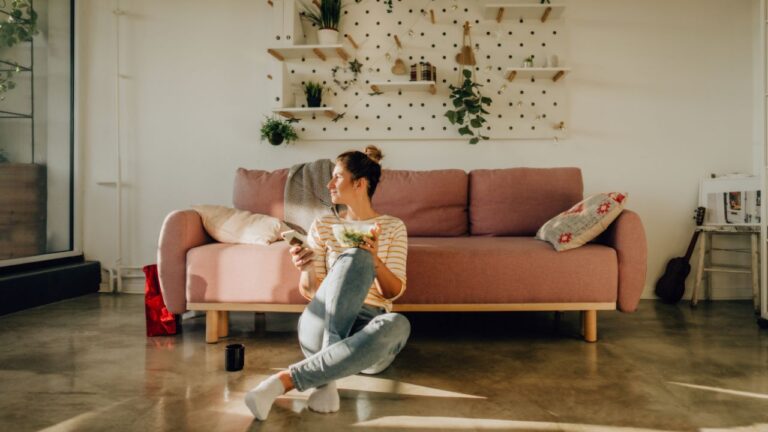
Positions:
{"x": 301, "y": 257}
{"x": 371, "y": 244}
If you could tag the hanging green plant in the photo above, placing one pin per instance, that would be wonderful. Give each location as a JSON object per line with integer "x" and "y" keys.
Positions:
{"x": 468, "y": 103}
{"x": 277, "y": 130}
{"x": 20, "y": 24}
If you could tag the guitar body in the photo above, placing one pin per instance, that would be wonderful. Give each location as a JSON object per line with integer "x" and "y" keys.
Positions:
{"x": 671, "y": 286}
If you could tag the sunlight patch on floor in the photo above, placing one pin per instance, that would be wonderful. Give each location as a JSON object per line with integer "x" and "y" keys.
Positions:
{"x": 450, "y": 423}
{"x": 722, "y": 390}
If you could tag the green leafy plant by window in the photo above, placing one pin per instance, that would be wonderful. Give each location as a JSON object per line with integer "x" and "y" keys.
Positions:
{"x": 18, "y": 25}
{"x": 276, "y": 130}
{"x": 314, "y": 93}
{"x": 326, "y": 16}
{"x": 468, "y": 103}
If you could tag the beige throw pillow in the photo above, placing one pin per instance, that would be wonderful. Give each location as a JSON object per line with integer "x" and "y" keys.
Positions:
{"x": 582, "y": 222}
{"x": 230, "y": 225}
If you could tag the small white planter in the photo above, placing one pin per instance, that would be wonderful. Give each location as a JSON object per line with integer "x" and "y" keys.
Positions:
{"x": 327, "y": 37}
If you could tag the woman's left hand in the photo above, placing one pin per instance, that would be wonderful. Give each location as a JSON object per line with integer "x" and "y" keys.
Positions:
{"x": 371, "y": 244}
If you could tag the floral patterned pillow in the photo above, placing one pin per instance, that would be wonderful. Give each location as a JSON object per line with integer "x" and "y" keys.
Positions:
{"x": 582, "y": 222}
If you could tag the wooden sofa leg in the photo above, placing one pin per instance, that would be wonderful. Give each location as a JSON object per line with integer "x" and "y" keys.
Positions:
{"x": 211, "y": 326}
{"x": 223, "y": 324}
{"x": 590, "y": 325}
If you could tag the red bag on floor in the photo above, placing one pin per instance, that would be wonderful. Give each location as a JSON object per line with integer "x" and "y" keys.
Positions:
{"x": 160, "y": 322}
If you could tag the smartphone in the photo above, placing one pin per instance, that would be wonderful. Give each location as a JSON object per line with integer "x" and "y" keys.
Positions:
{"x": 294, "y": 238}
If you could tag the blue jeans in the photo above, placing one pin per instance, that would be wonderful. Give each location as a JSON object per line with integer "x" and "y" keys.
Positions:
{"x": 341, "y": 336}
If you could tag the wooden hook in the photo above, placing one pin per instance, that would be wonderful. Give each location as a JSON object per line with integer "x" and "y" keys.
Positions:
{"x": 512, "y": 75}
{"x": 466, "y": 28}
{"x": 499, "y": 14}
{"x": 275, "y": 54}
{"x": 432, "y": 15}
{"x": 397, "y": 41}
{"x": 270, "y": 2}
{"x": 352, "y": 41}
{"x": 269, "y": 76}
{"x": 546, "y": 13}
{"x": 558, "y": 75}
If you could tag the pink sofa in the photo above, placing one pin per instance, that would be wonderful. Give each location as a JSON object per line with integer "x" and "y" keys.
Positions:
{"x": 471, "y": 248}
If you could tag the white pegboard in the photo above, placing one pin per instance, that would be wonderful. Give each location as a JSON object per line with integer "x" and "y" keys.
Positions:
{"x": 521, "y": 109}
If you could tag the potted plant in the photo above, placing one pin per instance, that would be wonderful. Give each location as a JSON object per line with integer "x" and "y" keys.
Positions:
{"x": 528, "y": 62}
{"x": 314, "y": 93}
{"x": 276, "y": 131}
{"x": 3, "y": 156}
{"x": 326, "y": 16}
{"x": 468, "y": 104}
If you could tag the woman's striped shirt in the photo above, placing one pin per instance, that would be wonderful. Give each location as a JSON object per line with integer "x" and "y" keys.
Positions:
{"x": 393, "y": 252}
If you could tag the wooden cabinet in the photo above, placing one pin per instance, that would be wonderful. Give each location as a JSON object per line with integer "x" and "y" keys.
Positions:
{"x": 23, "y": 194}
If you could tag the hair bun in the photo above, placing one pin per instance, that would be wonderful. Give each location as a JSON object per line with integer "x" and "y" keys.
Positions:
{"x": 374, "y": 153}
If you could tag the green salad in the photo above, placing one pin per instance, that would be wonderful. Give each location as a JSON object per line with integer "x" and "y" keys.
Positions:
{"x": 355, "y": 238}
{"x": 351, "y": 236}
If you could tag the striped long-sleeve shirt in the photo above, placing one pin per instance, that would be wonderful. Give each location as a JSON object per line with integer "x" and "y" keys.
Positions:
{"x": 393, "y": 251}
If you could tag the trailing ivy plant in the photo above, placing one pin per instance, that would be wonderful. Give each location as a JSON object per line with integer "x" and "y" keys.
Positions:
{"x": 468, "y": 103}
{"x": 18, "y": 25}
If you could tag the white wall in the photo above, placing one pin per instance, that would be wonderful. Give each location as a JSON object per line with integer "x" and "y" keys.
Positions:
{"x": 660, "y": 93}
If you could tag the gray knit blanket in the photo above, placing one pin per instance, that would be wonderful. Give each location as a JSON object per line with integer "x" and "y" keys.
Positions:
{"x": 306, "y": 194}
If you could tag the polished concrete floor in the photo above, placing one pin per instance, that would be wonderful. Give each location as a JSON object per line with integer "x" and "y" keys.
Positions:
{"x": 86, "y": 365}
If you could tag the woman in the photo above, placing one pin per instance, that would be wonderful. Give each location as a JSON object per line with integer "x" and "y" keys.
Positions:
{"x": 348, "y": 326}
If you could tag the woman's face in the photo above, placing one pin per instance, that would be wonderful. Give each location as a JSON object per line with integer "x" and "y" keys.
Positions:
{"x": 343, "y": 189}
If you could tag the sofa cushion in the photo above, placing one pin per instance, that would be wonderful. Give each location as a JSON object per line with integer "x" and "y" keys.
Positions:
{"x": 230, "y": 225}
{"x": 430, "y": 203}
{"x": 583, "y": 222}
{"x": 517, "y": 201}
{"x": 261, "y": 191}
{"x": 507, "y": 270}
{"x": 236, "y": 273}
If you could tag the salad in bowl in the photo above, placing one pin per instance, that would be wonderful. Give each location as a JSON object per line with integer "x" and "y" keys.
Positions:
{"x": 352, "y": 234}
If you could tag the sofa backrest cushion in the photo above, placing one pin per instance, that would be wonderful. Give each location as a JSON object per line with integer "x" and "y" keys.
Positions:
{"x": 518, "y": 201}
{"x": 261, "y": 191}
{"x": 430, "y": 203}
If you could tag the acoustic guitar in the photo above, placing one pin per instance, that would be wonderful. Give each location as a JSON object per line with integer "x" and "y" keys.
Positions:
{"x": 671, "y": 285}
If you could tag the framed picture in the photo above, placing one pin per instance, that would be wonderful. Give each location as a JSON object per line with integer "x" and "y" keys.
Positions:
{"x": 731, "y": 200}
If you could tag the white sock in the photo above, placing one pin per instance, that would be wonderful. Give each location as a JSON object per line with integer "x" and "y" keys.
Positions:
{"x": 325, "y": 399}
{"x": 260, "y": 398}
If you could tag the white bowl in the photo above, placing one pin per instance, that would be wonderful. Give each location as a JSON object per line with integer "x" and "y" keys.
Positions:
{"x": 347, "y": 232}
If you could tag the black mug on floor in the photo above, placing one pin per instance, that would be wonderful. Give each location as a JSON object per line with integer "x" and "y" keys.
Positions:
{"x": 234, "y": 357}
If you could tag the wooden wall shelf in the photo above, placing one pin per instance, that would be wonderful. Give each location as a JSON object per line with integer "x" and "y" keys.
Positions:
{"x": 554, "y": 74}
{"x": 305, "y": 112}
{"x": 386, "y": 86}
{"x": 322, "y": 52}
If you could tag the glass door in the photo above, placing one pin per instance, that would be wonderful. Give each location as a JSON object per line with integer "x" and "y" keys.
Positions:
{"x": 36, "y": 130}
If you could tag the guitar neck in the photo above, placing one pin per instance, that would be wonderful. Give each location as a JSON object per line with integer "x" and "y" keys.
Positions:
{"x": 691, "y": 245}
